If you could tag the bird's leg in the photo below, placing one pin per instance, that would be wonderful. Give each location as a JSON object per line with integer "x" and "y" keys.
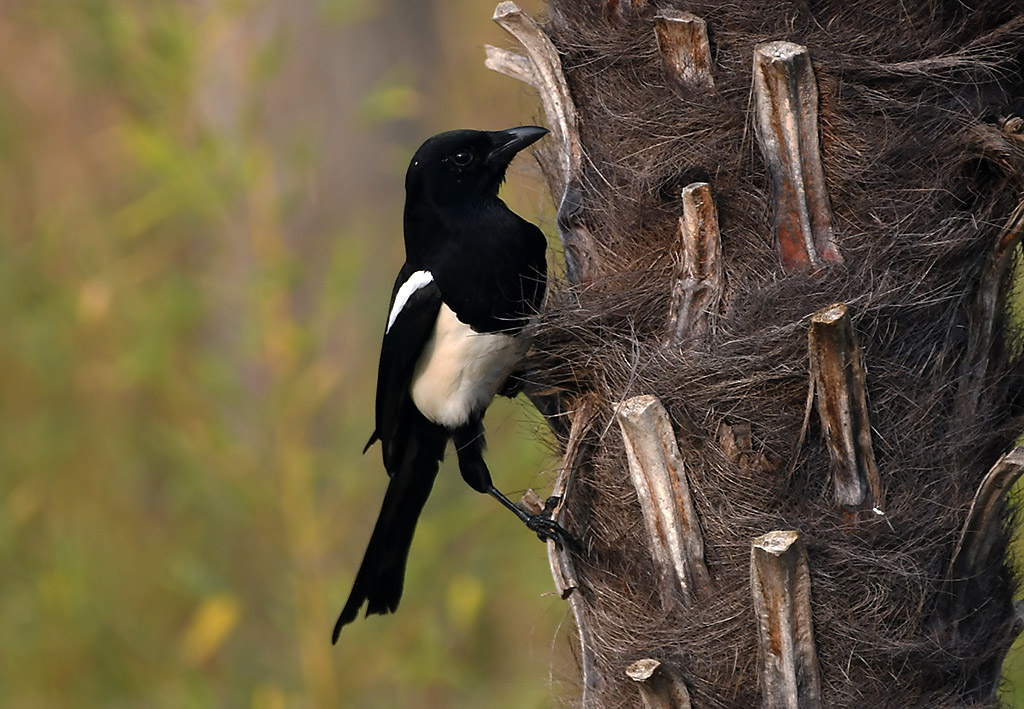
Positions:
{"x": 469, "y": 445}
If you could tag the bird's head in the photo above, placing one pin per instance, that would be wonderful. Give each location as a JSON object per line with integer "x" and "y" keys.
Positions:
{"x": 462, "y": 165}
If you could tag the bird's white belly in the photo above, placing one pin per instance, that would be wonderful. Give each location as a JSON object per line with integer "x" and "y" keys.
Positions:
{"x": 460, "y": 370}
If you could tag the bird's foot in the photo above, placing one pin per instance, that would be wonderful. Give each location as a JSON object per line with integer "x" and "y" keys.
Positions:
{"x": 548, "y": 530}
{"x": 540, "y": 523}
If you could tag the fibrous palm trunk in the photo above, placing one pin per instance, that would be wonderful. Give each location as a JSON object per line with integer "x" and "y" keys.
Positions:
{"x": 781, "y": 365}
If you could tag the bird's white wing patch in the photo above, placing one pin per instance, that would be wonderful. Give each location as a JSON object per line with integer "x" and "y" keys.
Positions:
{"x": 415, "y": 282}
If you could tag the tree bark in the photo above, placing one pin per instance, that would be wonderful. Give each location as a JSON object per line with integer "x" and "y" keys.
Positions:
{"x": 836, "y": 360}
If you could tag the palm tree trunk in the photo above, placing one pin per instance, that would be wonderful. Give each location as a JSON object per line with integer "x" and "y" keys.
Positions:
{"x": 780, "y": 365}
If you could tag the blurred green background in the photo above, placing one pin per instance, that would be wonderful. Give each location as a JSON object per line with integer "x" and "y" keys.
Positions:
{"x": 200, "y": 220}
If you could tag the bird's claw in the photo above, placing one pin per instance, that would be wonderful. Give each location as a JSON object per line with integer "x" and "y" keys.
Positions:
{"x": 548, "y": 530}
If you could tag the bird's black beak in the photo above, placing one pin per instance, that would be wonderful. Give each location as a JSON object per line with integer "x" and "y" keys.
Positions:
{"x": 509, "y": 142}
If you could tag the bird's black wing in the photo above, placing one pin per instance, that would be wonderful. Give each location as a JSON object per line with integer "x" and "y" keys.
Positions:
{"x": 413, "y": 448}
{"x": 404, "y": 340}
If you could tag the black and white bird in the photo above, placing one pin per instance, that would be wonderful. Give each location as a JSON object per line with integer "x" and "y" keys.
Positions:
{"x": 475, "y": 273}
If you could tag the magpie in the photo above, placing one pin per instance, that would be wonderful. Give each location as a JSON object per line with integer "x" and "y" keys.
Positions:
{"x": 475, "y": 273}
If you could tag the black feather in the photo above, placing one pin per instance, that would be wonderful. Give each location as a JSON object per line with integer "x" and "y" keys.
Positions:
{"x": 380, "y": 578}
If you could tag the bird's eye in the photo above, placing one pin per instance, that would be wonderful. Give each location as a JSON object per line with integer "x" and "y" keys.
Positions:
{"x": 462, "y": 159}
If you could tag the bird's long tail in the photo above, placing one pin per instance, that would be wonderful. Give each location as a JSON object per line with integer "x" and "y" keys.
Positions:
{"x": 382, "y": 573}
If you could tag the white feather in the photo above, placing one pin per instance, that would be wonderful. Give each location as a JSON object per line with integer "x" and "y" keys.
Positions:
{"x": 460, "y": 370}
{"x": 416, "y": 281}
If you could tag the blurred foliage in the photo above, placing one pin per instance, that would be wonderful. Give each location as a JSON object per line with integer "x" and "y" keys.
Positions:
{"x": 200, "y": 211}
{"x": 193, "y": 273}
{"x": 1012, "y": 689}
